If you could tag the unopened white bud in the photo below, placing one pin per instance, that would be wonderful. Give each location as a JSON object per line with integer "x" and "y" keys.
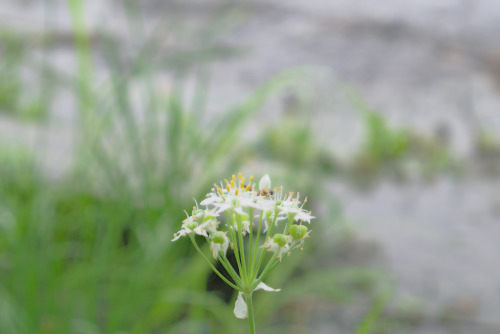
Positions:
{"x": 265, "y": 182}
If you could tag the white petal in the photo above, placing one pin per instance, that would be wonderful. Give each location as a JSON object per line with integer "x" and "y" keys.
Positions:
{"x": 240, "y": 307}
{"x": 200, "y": 231}
{"x": 209, "y": 200}
{"x": 265, "y": 287}
{"x": 179, "y": 234}
{"x": 265, "y": 182}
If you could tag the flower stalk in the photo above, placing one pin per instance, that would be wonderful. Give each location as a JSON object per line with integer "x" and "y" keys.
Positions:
{"x": 238, "y": 201}
{"x": 251, "y": 318}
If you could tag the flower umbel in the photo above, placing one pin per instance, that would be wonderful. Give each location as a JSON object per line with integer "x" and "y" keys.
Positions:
{"x": 235, "y": 210}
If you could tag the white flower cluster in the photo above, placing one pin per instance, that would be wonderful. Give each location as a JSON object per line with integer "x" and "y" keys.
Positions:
{"x": 280, "y": 216}
{"x": 239, "y": 200}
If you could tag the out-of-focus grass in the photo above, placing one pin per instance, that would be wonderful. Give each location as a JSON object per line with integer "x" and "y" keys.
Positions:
{"x": 91, "y": 253}
{"x": 17, "y": 98}
{"x": 396, "y": 152}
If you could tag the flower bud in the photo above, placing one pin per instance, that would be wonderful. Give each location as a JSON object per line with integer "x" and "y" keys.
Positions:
{"x": 280, "y": 239}
{"x": 298, "y": 231}
{"x": 199, "y": 215}
{"x": 265, "y": 182}
{"x": 218, "y": 238}
{"x": 209, "y": 217}
{"x": 191, "y": 225}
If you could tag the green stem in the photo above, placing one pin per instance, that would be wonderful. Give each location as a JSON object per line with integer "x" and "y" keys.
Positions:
{"x": 269, "y": 233}
{"x": 229, "y": 268}
{"x": 255, "y": 247}
{"x": 250, "y": 248}
{"x": 235, "y": 244}
{"x": 251, "y": 318}
{"x": 242, "y": 248}
{"x": 211, "y": 265}
{"x": 270, "y": 267}
{"x": 273, "y": 261}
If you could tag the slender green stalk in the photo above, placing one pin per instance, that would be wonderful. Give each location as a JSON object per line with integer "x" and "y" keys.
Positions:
{"x": 211, "y": 265}
{"x": 250, "y": 248}
{"x": 254, "y": 273}
{"x": 242, "y": 248}
{"x": 235, "y": 244}
{"x": 269, "y": 232}
{"x": 273, "y": 261}
{"x": 229, "y": 268}
{"x": 251, "y": 318}
{"x": 287, "y": 227}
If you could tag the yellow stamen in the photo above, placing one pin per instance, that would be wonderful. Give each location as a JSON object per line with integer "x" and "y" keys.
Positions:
{"x": 236, "y": 191}
{"x": 232, "y": 183}
{"x": 234, "y": 177}
{"x": 242, "y": 185}
{"x": 239, "y": 176}
{"x": 251, "y": 178}
{"x": 228, "y": 188}
{"x": 242, "y": 179}
{"x": 225, "y": 180}
{"x": 220, "y": 191}
{"x": 247, "y": 188}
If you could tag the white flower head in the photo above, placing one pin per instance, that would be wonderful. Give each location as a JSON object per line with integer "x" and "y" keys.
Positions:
{"x": 248, "y": 208}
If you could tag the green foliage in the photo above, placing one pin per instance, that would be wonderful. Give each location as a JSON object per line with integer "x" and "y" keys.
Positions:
{"x": 16, "y": 99}
{"x": 369, "y": 322}
{"x": 91, "y": 253}
{"x": 389, "y": 150}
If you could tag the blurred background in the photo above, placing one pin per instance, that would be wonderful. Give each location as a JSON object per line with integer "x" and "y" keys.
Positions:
{"x": 115, "y": 114}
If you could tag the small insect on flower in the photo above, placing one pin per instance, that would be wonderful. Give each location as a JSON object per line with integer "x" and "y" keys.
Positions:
{"x": 265, "y": 192}
{"x": 265, "y": 187}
